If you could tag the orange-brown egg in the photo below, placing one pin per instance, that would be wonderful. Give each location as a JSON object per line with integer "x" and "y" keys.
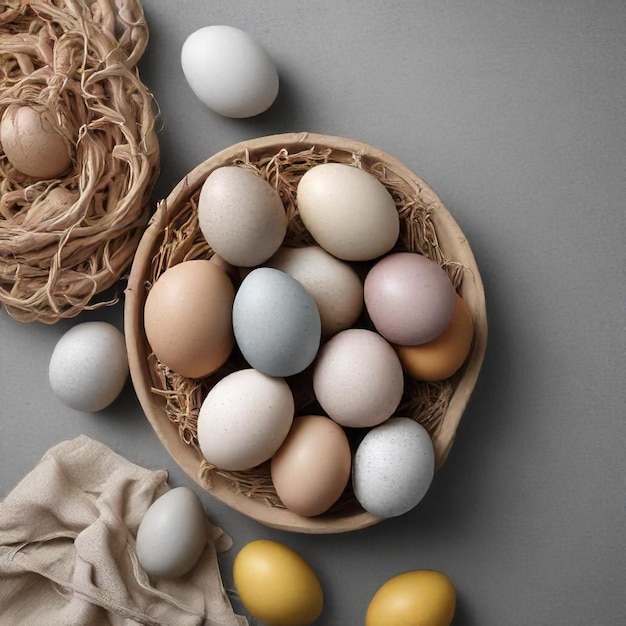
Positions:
{"x": 443, "y": 356}
{"x": 188, "y": 318}
{"x": 312, "y": 467}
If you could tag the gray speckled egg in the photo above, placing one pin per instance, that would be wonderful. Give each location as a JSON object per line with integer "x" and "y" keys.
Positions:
{"x": 393, "y": 467}
{"x": 276, "y": 323}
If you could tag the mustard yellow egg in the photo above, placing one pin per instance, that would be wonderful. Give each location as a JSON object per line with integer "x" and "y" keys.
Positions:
{"x": 276, "y": 585}
{"x": 443, "y": 356}
{"x": 415, "y": 598}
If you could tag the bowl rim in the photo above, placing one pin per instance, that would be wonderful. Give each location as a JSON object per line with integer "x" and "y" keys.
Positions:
{"x": 185, "y": 455}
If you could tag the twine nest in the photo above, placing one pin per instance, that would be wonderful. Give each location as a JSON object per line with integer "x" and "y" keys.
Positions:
{"x": 182, "y": 240}
{"x": 63, "y": 241}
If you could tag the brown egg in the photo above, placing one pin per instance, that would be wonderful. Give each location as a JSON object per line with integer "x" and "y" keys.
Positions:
{"x": 32, "y": 144}
{"x": 188, "y": 318}
{"x": 312, "y": 467}
{"x": 443, "y": 356}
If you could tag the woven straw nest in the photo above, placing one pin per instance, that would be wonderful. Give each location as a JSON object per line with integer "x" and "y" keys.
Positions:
{"x": 62, "y": 241}
{"x": 172, "y": 402}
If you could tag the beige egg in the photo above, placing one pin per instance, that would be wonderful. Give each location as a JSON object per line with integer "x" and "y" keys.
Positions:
{"x": 334, "y": 285}
{"x": 188, "y": 318}
{"x": 348, "y": 211}
{"x": 241, "y": 216}
{"x": 32, "y": 144}
{"x": 312, "y": 467}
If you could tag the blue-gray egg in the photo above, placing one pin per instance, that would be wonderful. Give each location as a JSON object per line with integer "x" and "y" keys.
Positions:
{"x": 276, "y": 323}
{"x": 393, "y": 467}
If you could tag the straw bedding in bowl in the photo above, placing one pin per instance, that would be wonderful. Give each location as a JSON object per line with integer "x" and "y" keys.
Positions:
{"x": 65, "y": 240}
{"x": 178, "y": 238}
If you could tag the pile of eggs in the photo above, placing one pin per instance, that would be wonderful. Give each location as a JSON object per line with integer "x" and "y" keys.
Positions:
{"x": 349, "y": 313}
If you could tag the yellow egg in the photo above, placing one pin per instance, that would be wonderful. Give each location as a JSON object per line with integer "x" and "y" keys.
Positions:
{"x": 415, "y": 598}
{"x": 276, "y": 585}
{"x": 443, "y": 356}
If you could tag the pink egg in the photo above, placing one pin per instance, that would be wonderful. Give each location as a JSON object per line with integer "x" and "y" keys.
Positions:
{"x": 409, "y": 298}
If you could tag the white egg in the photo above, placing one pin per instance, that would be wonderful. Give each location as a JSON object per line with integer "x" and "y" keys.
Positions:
{"x": 172, "y": 534}
{"x": 244, "y": 419}
{"x": 393, "y": 467}
{"x": 229, "y": 71}
{"x": 89, "y": 366}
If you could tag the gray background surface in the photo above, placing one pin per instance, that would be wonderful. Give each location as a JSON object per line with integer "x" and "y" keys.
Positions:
{"x": 514, "y": 113}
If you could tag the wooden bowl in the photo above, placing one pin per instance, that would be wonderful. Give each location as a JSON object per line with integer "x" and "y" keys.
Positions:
{"x": 426, "y": 226}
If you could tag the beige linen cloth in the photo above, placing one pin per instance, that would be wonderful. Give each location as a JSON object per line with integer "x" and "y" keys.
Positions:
{"x": 67, "y": 548}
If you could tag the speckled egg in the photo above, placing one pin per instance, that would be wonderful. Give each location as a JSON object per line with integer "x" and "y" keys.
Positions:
{"x": 241, "y": 216}
{"x": 89, "y": 367}
{"x": 276, "y": 323}
{"x": 358, "y": 378}
{"x": 393, "y": 467}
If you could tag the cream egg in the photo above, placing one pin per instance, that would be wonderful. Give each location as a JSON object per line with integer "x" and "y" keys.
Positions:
{"x": 229, "y": 71}
{"x": 241, "y": 216}
{"x": 348, "y": 211}
{"x": 89, "y": 367}
{"x": 358, "y": 378}
{"x": 334, "y": 285}
{"x": 393, "y": 467}
{"x": 244, "y": 419}
{"x": 32, "y": 144}
{"x": 172, "y": 534}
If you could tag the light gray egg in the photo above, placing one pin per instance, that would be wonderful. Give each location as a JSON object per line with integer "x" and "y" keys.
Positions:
{"x": 393, "y": 467}
{"x": 276, "y": 323}
{"x": 172, "y": 534}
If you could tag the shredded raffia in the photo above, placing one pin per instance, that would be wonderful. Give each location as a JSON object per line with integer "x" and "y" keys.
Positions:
{"x": 182, "y": 240}
{"x": 63, "y": 241}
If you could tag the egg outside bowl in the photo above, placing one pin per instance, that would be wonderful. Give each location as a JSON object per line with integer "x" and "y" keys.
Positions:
{"x": 171, "y": 402}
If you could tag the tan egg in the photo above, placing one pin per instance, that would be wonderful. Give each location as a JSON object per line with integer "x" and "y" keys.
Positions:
{"x": 188, "y": 318}
{"x": 443, "y": 356}
{"x": 32, "y": 144}
{"x": 312, "y": 467}
{"x": 241, "y": 216}
{"x": 333, "y": 284}
{"x": 348, "y": 211}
